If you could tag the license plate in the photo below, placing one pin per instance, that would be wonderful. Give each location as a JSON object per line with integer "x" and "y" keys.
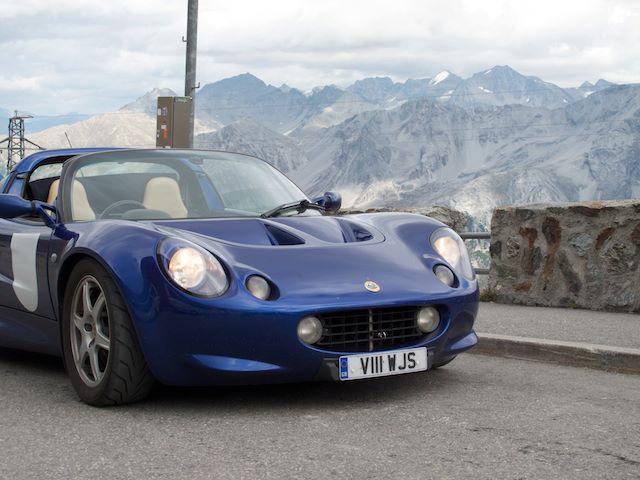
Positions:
{"x": 397, "y": 362}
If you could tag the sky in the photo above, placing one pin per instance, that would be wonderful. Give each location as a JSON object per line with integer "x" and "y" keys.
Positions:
{"x": 92, "y": 56}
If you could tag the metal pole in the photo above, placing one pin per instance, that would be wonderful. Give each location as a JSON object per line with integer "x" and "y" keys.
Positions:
{"x": 190, "y": 71}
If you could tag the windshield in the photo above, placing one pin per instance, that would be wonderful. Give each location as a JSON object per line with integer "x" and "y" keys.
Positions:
{"x": 174, "y": 184}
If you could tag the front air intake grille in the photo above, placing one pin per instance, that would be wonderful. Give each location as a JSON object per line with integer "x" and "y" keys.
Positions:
{"x": 369, "y": 330}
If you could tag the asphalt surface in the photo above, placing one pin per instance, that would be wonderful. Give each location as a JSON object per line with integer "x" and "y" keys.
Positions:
{"x": 601, "y": 328}
{"x": 480, "y": 416}
{"x": 579, "y": 338}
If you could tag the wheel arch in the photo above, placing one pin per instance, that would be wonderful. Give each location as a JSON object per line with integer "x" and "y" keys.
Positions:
{"x": 68, "y": 264}
{"x": 62, "y": 282}
{"x": 120, "y": 376}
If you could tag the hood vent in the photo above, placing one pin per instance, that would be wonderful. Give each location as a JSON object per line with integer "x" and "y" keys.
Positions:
{"x": 282, "y": 237}
{"x": 352, "y": 232}
{"x": 331, "y": 230}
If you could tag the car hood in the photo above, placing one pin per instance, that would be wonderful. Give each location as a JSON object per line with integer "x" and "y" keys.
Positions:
{"x": 278, "y": 232}
{"x": 325, "y": 258}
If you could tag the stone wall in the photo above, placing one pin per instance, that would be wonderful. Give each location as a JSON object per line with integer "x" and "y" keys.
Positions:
{"x": 584, "y": 255}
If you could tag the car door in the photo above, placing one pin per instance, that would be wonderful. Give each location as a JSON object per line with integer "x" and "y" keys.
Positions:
{"x": 27, "y": 319}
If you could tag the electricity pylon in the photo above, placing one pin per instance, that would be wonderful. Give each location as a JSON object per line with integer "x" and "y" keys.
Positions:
{"x": 16, "y": 140}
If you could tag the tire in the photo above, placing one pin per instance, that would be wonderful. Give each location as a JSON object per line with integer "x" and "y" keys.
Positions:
{"x": 98, "y": 332}
{"x": 442, "y": 364}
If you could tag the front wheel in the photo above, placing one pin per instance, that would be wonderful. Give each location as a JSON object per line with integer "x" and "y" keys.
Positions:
{"x": 103, "y": 357}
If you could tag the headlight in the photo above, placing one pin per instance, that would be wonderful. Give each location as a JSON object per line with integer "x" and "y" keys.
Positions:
{"x": 451, "y": 247}
{"x": 192, "y": 268}
{"x": 258, "y": 287}
{"x": 187, "y": 267}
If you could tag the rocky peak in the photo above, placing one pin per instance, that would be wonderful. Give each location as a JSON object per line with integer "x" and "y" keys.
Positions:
{"x": 148, "y": 103}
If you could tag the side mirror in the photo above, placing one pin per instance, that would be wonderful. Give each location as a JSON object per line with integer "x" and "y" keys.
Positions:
{"x": 12, "y": 206}
{"x": 331, "y": 201}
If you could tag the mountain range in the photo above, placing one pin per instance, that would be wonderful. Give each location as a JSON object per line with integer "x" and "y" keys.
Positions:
{"x": 41, "y": 122}
{"x": 495, "y": 138}
{"x": 426, "y": 152}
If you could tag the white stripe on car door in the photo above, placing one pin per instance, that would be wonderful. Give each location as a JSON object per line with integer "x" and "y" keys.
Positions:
{"x": 23, "y": 261}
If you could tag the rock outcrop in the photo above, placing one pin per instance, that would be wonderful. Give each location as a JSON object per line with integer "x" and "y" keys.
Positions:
{"x": 449, "y": 216}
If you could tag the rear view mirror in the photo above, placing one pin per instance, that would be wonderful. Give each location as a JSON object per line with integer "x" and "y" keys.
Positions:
{"x": 12, "y": 206}
{"x": 331, "y": 201}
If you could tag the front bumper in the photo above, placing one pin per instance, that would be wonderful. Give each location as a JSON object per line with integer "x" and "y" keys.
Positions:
{"x": 241, "y": 344}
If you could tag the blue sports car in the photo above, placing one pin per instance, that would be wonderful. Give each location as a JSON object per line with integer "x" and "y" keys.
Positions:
{"x": 192, "y": 267}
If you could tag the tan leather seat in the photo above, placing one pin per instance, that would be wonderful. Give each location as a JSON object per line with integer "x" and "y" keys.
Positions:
{"x": 163, "y": 193}
{"x": 53, "y": 191}
{"x": 80, "y": 208}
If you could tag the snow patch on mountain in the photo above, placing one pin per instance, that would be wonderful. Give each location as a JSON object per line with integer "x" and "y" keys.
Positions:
{"x": 440, "y": 77}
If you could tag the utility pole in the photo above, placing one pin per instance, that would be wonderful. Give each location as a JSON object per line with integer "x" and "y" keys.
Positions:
{"x": 190, "y": 70}
{"x": 16, "y": 140}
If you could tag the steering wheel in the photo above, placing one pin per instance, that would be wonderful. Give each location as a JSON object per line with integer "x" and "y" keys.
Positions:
{"x": 114, "y": 207}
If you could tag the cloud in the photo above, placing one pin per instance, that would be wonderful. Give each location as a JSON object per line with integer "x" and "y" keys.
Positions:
{"x": 95, "y": 56}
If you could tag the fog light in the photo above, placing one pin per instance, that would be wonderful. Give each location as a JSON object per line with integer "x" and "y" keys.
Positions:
{"x": 445, "y": 275}
{"x": 428, "y": 319}
{"x": 258, "y": 287}
{"x": 310, "y": 330}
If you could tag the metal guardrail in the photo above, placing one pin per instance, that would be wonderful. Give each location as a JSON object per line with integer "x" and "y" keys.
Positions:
{"x": 477, "y": 236}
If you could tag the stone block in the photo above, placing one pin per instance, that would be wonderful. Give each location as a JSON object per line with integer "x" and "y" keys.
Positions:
{"x": 584, "y": 255}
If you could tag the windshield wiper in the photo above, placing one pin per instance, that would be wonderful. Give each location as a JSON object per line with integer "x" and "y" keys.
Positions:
{"x": 300, "y": 206}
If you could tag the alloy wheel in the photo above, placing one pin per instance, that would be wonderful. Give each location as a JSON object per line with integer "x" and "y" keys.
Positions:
{"x": 90, "y": 333}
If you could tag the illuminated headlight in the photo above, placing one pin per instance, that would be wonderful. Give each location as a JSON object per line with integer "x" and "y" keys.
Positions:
{"x": 428, "y": 319}
{"x": 187, "y": 267}
{"x": 258, "y": 287}
{"x": 310, "y": 330}
{"x": 451, "y": 248}
{"x": 192, "y": 268}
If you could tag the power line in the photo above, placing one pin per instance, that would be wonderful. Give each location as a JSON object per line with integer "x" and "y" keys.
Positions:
{"x": 472, "y": 138}
{"x": 250, "y": 106}
{"x": 480, "y": 129}
{"x": 464, "y": 139}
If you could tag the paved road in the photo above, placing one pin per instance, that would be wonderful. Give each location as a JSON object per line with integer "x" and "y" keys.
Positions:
{"x": 603, "y": 328}
{"x": 480, "y": 416}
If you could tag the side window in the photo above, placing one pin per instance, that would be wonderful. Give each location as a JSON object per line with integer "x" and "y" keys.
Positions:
{"x": 46, "y": 171}
{"x": 3, "y": 182}
{"x": 42, "y": 183}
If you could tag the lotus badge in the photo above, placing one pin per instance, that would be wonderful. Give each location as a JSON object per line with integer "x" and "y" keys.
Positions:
{"x": 372, "y": 286}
